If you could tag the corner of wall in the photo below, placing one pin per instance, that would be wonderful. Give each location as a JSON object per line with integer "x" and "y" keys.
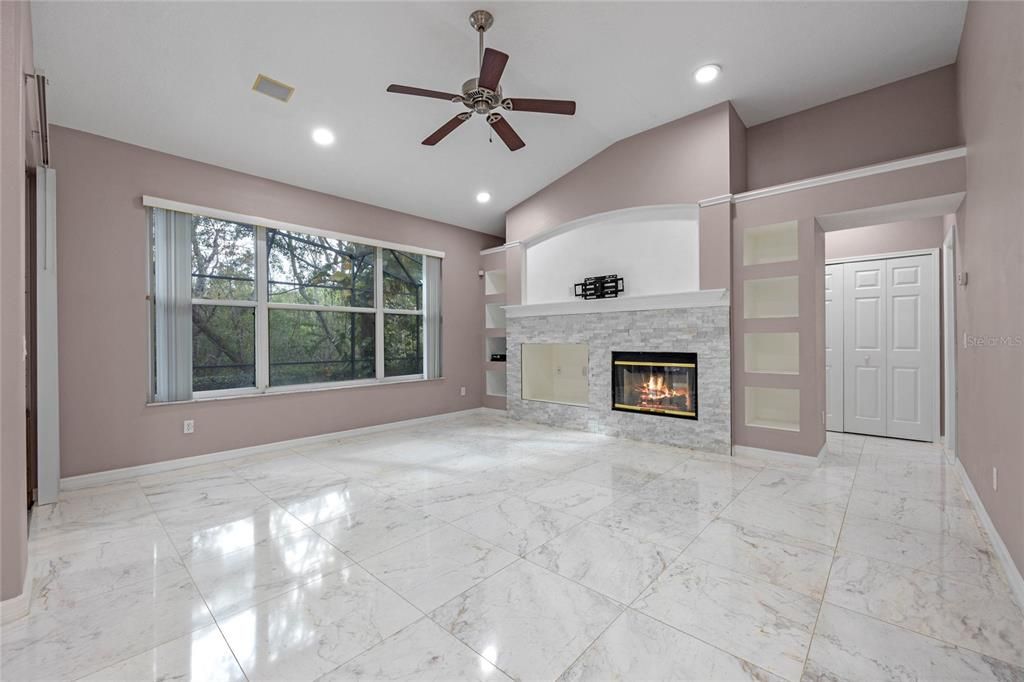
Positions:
{"x": 737, "y": 152}
{"x": 15, "y": 133}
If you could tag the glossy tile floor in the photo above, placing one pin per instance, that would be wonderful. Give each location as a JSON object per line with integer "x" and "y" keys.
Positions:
{"x": 479, "y": 548}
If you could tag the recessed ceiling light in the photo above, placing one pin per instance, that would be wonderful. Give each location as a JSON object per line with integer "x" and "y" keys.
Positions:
{"x": 483, "y": 197}
{"x": 707, "y": 73}
{"x": 323, "y": 137}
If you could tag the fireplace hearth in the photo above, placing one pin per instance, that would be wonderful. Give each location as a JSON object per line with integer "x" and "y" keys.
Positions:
{"x": 663, "y": 384}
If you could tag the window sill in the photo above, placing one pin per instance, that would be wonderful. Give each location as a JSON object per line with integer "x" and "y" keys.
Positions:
{"x": 292, "y": 391}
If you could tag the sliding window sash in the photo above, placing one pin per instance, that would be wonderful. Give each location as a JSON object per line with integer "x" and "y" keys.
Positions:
{"x": 172, "y": 309}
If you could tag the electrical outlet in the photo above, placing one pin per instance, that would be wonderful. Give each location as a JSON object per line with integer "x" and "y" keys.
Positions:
{"x": 190, "y": 426}
{"x": 462, "y": 390}
{"x": 995, "y": 478}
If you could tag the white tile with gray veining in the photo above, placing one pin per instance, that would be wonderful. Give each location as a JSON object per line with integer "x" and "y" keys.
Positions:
{"x": 637, "y": 647}
{"x": 529, "y": 622}
{"x": 851, "y": 646}
{"x": 768, "y": 625}
{"x": 480, "y": 547}
{"x": 613, "y": 563}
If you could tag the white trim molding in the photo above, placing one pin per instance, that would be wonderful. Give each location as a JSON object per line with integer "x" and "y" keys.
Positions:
{"x": 883, "y": 256}
{"x": 168, "y": 204}
{"x": 17, "y": 607}
{"x": 501, "y": 248}
{"x": 1013, "y": 574}
{"x": 715, "y": 201}
{"x": 853, "y": 174}
{"x": 104, "y": 477}
{"x": 703, "y": 298}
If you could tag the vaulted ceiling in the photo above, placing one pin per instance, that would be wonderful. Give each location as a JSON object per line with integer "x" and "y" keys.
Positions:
{"x": 176, "y": 77}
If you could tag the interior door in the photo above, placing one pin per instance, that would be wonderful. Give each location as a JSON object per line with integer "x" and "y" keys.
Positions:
{"x": 911, "y": 358}
{"x": 834, "y": 347}
{"x": 864, "y": 339}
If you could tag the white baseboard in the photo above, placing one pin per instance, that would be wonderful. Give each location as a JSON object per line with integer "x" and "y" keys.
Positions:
{"x": 17, "y": 607}
{"x": 761, "y": 455}
{"x": 114, "y": 475}
{"x": 1013, "y": 575}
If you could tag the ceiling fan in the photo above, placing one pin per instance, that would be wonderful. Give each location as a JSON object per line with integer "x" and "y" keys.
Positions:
{"x": 482, "y": 95}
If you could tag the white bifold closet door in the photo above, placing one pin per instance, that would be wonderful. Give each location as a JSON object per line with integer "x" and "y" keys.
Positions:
{"x": 890, "y": 347}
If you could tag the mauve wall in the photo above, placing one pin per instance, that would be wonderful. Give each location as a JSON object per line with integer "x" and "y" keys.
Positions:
{"x": 905, "y": 118}
{"x": 936, "y": 179}
{"x": 102, "y": 261}
{"x": 906, "y": 235}
{"x": 990, "y": 379}
{"x": 683, "y": 161}
{"x": 16, "y": 47}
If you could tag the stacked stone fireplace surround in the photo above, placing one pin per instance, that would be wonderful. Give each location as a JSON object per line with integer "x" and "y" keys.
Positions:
{"x": 701, "y": 330}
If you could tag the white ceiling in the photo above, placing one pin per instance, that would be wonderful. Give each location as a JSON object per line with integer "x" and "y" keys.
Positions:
{"x": 176, "y": 77}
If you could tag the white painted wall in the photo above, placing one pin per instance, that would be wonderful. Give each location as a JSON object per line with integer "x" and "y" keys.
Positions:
{"x": 654, "y": 249}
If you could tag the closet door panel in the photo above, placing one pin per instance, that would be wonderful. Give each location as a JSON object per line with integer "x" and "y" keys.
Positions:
{"x": 911, "y": 353}
{"x": 865, "y": 338}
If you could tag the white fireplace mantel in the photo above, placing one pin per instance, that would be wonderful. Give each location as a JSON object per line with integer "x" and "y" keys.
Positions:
{"x": 703, "y": 298}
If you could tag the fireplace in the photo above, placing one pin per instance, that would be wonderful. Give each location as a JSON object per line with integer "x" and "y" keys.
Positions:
{"x": 663, "y": 384}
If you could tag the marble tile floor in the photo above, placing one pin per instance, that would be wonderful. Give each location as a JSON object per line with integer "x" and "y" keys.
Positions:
{"x": 479, "y": 548}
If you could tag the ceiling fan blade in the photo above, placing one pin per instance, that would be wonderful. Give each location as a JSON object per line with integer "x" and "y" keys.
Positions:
{"x": 505, "y": 132}
{"x": 542, "y": 106}
{"x": 491, "y": 69}
{"x": 420, "y": 92}
{"x": 444, "y": 130}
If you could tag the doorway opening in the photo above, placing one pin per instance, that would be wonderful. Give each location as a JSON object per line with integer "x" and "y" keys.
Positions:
{"x": 887, "y": 320}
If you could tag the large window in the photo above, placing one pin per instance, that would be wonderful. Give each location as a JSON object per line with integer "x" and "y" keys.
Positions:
{"x": 270, "y": 308}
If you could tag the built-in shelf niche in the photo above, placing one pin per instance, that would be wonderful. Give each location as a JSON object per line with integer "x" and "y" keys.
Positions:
{"x": 772, "y": 352}
{"x": 494, "y": 316}
{"x": 773, "y": 408}
{"x": 775, "y": 243}
{"x": 771, "y": 297}
{"x": 496, "y": 383}
{"x": 495, "y": 345}
{"x": 494, "y": 282}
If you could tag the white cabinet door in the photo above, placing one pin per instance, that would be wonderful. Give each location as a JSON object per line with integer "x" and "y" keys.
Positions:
{"x": 834, "y": 347}
{"x": 912, "y": 339}
{"x": 864, "y": 331}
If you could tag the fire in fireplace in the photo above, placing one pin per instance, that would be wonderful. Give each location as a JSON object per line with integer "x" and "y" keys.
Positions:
{"x": 664, "y": 384}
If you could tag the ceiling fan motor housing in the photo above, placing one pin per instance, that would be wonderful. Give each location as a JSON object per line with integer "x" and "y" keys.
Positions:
{"x": 480, "y": 100}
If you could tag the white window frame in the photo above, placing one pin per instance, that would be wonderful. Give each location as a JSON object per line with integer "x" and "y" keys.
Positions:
{"x": 263, "y": 306}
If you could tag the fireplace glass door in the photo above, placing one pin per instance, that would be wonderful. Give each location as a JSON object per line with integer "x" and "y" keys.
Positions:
{"x": 663, "y": 384}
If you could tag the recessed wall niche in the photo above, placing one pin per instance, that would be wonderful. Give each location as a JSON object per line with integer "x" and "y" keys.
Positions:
{"x": 771, "y": 352}
{"x": 773, "y": 408}
{"x": 495, "y": 282}
{"x": 775, "y": 243}
{"x": 771, "y": 297}
{"x": 494, "y": 316}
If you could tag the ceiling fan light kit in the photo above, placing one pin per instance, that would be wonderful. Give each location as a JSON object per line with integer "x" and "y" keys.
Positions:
{"x": 482, "y": 95}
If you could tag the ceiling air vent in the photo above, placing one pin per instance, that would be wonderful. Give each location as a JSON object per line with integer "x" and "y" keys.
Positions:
{"x": 273, "y": 88}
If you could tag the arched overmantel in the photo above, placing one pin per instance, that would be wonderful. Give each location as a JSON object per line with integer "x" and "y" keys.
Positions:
{"x": 655, "y": 248}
